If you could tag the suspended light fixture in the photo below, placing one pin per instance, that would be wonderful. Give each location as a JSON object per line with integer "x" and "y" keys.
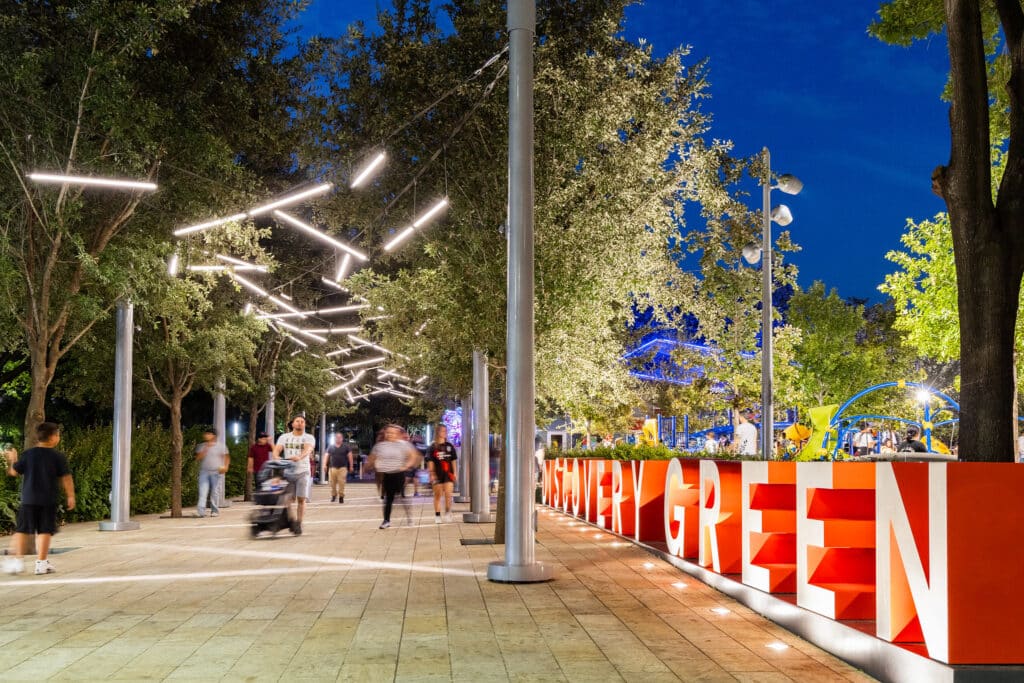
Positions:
{"x": 291, "y": 199}
{"x": 309, "y": 229}
{"x": 368, "y": 170}
{"x": 360, "y": 363}
{"x": 209, "y": 224}
{"x": 117, "y": 183}
{"x": 172, "y": 265}
{"x": 419, "y": 222}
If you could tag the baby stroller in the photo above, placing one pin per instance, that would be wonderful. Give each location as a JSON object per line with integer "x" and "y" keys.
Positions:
{"x": 273, "y": 496}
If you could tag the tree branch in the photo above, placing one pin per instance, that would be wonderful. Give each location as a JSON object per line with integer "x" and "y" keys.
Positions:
{"x": 78, "y": 123}
{"x": 156, "y": 390}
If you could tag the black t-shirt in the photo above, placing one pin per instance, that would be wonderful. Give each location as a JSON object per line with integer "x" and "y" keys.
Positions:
{"x": 42, "y": 469}
{"x": 339, "y": 455}
{"x": 912, "y": 446}
{"x": 443, "y": 456}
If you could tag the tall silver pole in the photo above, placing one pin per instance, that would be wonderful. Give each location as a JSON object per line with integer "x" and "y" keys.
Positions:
{"x": 767, "y": 396}
{"x": 220, "y": 423}
{"x": 480, "y": 470}
{"x": 323, "y": 448}
{"x": 465, "y": 450}
{"x": 121, "y": 479}
{"x": 519, "y": 564}
{"x": 268, "y": 414}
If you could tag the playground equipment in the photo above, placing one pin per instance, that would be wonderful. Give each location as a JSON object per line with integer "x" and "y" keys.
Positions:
{"x": 842, "y": 424}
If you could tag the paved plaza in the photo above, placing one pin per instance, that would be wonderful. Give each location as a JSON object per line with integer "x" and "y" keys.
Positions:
{"x": 198, "y": 599}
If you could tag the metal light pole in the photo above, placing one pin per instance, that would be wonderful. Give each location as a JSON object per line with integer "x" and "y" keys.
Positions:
{"x": 269, "y": 417}
{"x": 121, "y": 476}
{"x": 465, "y": 451}
{"x": 767, "y": 390}
{"x": 520, "y": 565}
{"x": 480, "y": 470}
{"x": 781, "y": 215}
{"x": 220, "y": 423}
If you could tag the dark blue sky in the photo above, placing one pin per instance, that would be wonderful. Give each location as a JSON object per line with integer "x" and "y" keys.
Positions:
{"x": 860, "y": 122}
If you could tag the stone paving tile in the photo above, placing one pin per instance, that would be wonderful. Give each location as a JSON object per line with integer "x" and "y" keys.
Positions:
{"x": 198, "y": 599}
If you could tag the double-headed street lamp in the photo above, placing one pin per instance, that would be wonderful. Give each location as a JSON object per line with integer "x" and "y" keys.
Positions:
{"x": 781, "y": 215}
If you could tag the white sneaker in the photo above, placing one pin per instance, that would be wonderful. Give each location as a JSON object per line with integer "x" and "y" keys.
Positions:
{"x": 437, "y": 519}
{"x": 384, "y": 525}
{"x": 13, "y": 565}
{"x": 448, "y": 517}
{"x": 44, "y": 567}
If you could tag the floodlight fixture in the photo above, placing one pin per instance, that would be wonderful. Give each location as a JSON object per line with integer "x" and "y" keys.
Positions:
{"x": 782, "y": 215}
{"x": 209, "y": 224}
{"x": 291, "y": 199}
{"x": 361, "y": 363}
{"x": 789, "y": 184}
{"x": 94, "y": 181}
{"x": 368, "y": 170}
{"x": 172, "y": 264}
{"x": 346, "y": 262}
{"x": 309, "y": 229}
{"x": 751, "y": 253}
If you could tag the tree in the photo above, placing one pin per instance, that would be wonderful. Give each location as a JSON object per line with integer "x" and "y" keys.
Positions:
{"x": 986, "y": 49}
{"x": 838, "y": 352}
{"x": 202, "y": 79}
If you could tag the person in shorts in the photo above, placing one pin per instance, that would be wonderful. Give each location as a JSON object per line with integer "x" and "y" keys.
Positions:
{"x": 42, "y": 469}
{"x": 297, "y": 446}
{"x": 441, "y": 458}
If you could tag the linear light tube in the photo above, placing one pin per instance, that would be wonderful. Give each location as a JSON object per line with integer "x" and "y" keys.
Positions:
{"x": 339, "y": 352}
{"x": 343, "y": 267}
{"x": 421, "y": 379}
{"x": 332, "y": 283}
{"x": 363, "y": 342}
{"x": 299, "y": 330}
{"x": 412, "y": 389}
{"x": 248, "y": 309}
{"x": 392, "y": 373}
{"x": 347, "y": 384}
{"x": 286, "y": 306}
{"x": 209, "y": 224}
{"x": 342, "y": 309}
{"x": 172, "y": 265}
{"x": 370, "y": 168}
{"x": 399, "y": 238}
{"x": 91, "y": 180}
{"x": 296, "y": 352}
{"x": 208, "y": 269}
{"x": 336, "y": 330}
{"x": 420, "y": 330}
{"x": 298, "y": 341}
{"x": 291, "y": 199}
{"x": 306, "y": 227}
{"x": 242, "y": 265}
{"x": 262, "y": 292}
{"x": 400, "y": 394}
{"x": 430, "y": 213}
{"x": 360, "y": 363}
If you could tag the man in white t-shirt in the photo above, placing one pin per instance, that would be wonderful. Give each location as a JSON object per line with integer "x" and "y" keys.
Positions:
{"x": 297, "y": 446}
{"x": 746, "y": 433}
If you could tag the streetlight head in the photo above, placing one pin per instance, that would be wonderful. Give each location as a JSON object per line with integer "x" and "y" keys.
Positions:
{"x": 781, "y": 215}
{"x": 751, "y": 253}
{"x": 790, "y": 184}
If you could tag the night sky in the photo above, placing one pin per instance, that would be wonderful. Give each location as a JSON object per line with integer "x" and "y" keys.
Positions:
{"x": 860, "y": 122}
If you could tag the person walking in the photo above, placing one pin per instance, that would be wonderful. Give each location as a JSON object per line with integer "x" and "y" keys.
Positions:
{"x": 864, "y": 440}
{"x": 746, "y": 434}
{"x": 340, "y": 457}
{"x": 42, "y": 469}
{"x": 297, "y": 446}
{"x": 213, "y": 461}
{"x": 392, "y": 457}
{"x": 441, "y": 458}
{"x": 259, "y": 453}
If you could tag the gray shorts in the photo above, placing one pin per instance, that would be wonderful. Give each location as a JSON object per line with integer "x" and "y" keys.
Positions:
{"x": 302, "y": 483}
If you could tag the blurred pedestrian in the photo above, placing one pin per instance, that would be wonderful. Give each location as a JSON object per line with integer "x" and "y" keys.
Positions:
{"x": 297, "y": 446}
{"x": 340, "y": 462}
{"x": 259, "y": 453}
{"x": 42, "y": 469}
{"x": 392, "y": 457}
{"x": 441, "y": 457}
{"x": 213, "y": 461}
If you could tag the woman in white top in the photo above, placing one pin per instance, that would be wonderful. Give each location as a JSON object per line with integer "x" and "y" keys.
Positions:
{"x": 392, "y": 457}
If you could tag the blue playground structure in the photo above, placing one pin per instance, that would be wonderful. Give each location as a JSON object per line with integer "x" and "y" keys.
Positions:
{"x": 845, "y": 425}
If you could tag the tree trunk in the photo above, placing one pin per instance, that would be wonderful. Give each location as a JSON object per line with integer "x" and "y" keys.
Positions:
{"x": 177, "y": 444}
{"x": 988, "y": 245}
{"x": 36, "y": 413}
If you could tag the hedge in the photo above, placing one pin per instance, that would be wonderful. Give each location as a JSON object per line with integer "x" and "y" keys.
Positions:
{"x": 89, "y": 454}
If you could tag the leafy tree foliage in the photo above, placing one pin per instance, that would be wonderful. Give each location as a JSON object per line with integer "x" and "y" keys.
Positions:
{"x": 986, "y": 88}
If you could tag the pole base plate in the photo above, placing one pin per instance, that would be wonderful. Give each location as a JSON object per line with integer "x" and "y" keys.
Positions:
{"x": 478, "y": 518}
{"x": 524, "y": 573}
{"x": 108, "y": 525}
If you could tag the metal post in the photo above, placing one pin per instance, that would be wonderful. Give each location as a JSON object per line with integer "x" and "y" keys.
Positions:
{"x": 480, "y": 470}
{"x": 520, "y": 428}
{"x": 269, "y": 417}
{"x": 465, "y": 451}
{"x": 767, "y": 406}
{"x": 927, "y": 425}
{"x": 220, "y": 424}
{"x": 120, "y": 491}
